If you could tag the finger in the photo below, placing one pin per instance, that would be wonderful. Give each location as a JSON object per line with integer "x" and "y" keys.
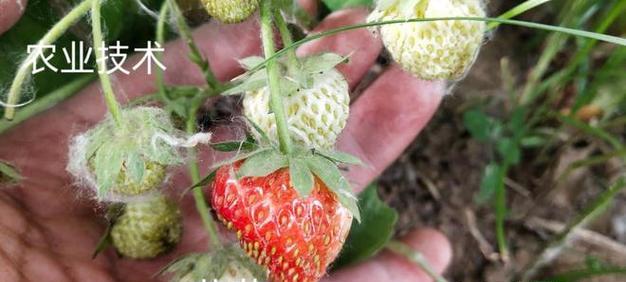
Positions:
{"x": 360, "y": 44}
{"x": 386, "y": 266}
{"x": 310, "y": 6}
{"x": 10, "y": 12}
{"x": 386, "y": 119}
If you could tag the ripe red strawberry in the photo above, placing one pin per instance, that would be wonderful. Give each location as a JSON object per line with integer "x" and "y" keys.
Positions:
{"x": 296, "y": 238}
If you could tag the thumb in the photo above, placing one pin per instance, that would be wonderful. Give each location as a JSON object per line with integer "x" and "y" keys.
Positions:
{"x": 10, "y": 12}
{"x": 387, "y": 266}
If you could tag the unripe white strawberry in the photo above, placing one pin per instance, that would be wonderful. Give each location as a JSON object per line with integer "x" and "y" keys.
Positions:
{"x": 148, "y": 228}
{"x": 316, "y": 115}
{"x": 231, "y": 11}
{"x": 437, "y": 49}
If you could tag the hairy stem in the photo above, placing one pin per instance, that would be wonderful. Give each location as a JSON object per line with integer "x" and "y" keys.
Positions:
{"x": 105, "y": 80}
{"x": 160, "y": 38}
{"x": 194, "y": 171}
{"x": 285, "y": 35}
{"x": 276, "y": 102}
{"x": 46, "y": 102}
{"x": 26, "y": 67}
{"x": 194, "y": 52}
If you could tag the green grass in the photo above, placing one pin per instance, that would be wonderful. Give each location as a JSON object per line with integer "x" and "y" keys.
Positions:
{"x": 533, "y": 124}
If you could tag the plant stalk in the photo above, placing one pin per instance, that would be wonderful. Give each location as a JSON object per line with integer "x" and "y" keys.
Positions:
{"x": 564, "y": 30}
{"x": 160, "y": 38}
{"x": 23, "y": 72}
{"x": 46, "y": 102}
{"x": 198, "y": 195}
{"x": 194, "y": 55}
{"x": 285, "y": 35}
{"x": 105, "y": 80}
{"x": 276, "y": 102}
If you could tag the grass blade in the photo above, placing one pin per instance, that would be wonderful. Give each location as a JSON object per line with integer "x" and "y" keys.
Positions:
{"x": 517, "y": 10}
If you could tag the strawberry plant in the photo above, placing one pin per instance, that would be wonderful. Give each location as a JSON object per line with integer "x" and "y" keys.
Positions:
{"x": 284, "y": 193}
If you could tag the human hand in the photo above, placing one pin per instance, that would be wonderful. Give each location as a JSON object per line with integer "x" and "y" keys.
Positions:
{"x": 49, "y": 228}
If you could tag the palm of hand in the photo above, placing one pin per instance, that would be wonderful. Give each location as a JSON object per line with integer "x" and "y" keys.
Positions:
{"x": 49, "y": 228}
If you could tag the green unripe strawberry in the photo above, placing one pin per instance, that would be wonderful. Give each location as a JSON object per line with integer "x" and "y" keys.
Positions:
{"x": 122, "y": 161}
{"x": 148, "y": 228}
{"x": 436, "y": 49}
{"x": 231, "y": 11}
{"x": 316, "y": 115}
{"x": 153, "y": 176}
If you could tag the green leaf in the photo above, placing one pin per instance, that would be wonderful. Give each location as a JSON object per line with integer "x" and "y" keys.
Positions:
{"x": 231, "y": 146}
{"x": 251, "y": 62}
{"x": 478, "y": 124}
{"x": 8, "y": 173}
{"x": 516, "y": 123}
{"x": 509, "y": 150}
{"x": 340, "y": 157}
{"x": 263, "y": 164}
{"x": 255, "y": 81}
{"x": 264, "y": 138}
{"x": 104, "y": 242}
{"x": 372, "y": 234}
{"x": 135, "y": 167}
{"x": 330, "y": 174}
{"x": 212, "y": 265}
{"x": 296, "y": 14}
{"x": 108, "y": 163}
{"x": 323, "y": 63}
{"x": 335, "y": 5}
{"x": 203, "y": 182}
{"x": 489, "y": 183}
{"x": 301, "y": 176}
{"x": 532, "y": 141}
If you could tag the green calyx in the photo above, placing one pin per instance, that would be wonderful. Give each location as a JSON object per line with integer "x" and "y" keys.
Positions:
{"x": 229, "y": 263}
{"x": 303, "y": 164}
{"x": 293, "y": 78}
{"x": 129, "y": 159}
{"x": 146, "y": 229}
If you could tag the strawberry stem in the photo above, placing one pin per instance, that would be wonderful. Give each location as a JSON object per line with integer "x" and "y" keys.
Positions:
{"x": 23, "y": 72}
{"x": 198, "y": 196}
{"x": 276, "y": 102}
{"x": 194, "y": 52}
{"x": 285, "y": 35}
{"x": 105, "y": 80}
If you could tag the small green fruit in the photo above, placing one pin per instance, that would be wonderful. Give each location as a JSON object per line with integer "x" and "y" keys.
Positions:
{"x": 147, "y": 229}
{"x": 153, "y": 177}
{"x": 231, "y": 11}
